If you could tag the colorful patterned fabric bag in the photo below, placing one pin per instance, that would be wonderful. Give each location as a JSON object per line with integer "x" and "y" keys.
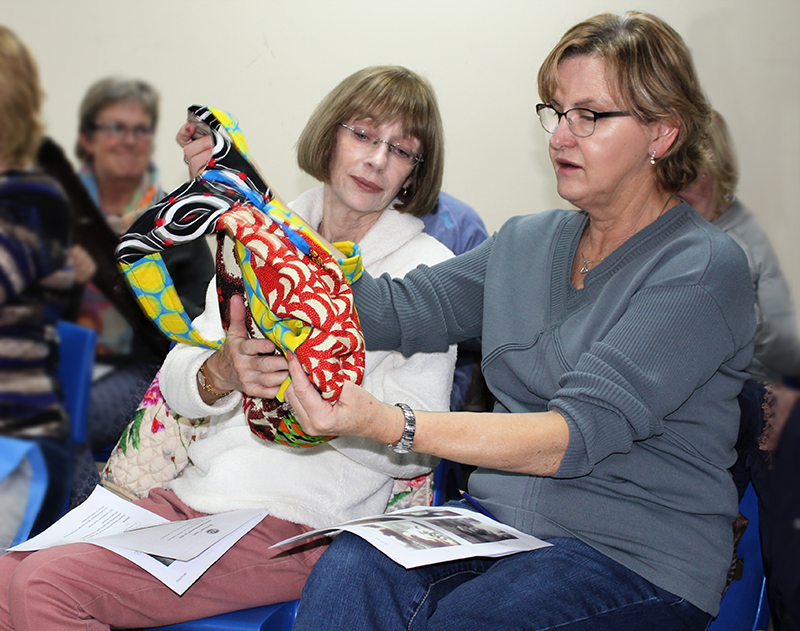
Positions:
{"x": 296, "y": 293}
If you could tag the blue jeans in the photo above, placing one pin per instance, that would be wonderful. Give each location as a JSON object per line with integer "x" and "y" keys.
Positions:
{"x": 568, "y": 586}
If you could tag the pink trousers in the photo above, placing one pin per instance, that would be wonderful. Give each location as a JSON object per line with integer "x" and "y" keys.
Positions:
{"x": 86, "y": 587}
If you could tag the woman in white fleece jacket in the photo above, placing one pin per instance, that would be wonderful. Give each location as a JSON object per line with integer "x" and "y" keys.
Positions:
{"x": 376, "y": 143}
{"x": 336, "y": 481}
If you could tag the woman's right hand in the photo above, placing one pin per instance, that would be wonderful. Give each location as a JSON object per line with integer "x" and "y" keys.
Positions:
{"x": 243, "y": 363}
{"x": 196, "y": 152}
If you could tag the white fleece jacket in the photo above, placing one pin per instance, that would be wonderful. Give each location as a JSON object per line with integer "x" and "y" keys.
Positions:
{"x": 343, "y": 479}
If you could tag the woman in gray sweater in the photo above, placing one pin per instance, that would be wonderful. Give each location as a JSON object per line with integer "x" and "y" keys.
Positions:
{"x": 615, "y": 339}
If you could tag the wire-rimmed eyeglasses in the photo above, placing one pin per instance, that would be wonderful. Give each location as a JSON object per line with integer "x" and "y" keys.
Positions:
{"x": 118, "y": 131}
{"x": 398, "y": 150}
{"x": 581, "y": 121}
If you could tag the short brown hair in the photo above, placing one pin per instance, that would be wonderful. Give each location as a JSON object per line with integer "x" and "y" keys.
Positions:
{"x": 384, "y": 94}
{"x": 21, "y": 98}
{"x": 107, "y": 92}
{"x": 653, "y": 75}
{"x": 722, "y": 167}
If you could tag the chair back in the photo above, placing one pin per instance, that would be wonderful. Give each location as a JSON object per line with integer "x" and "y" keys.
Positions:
{"x": 23, "y": 461}
{"x": 76, "y": 360}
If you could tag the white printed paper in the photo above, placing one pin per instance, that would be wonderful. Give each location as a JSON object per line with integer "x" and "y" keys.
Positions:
{"x": 175, "y": 552}
{"x": 421, "y": 536}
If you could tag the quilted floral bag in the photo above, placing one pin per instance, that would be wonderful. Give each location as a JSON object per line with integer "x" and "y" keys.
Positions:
{"x": 153, "y": 448}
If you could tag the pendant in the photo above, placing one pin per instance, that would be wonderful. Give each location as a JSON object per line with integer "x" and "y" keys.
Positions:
{"x": 584, "y": 269}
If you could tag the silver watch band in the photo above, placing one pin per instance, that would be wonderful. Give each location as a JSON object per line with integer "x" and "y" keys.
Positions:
{"x": 406, "y": 442}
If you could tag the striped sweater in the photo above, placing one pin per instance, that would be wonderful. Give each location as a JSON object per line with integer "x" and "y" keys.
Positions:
{"x": 35, "y": 233}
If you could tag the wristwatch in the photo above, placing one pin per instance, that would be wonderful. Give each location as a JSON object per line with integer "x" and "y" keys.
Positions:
{"x": 406, "y": 442}
{"x": 201, "y": 379}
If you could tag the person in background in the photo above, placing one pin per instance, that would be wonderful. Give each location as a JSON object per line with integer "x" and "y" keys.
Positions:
{"x": 35, "y": 276}
{"x": 777, "y": 346}
{"x": 117, "y": 123}
{"x": 376, "y": 144}
{"x": 460, "y": 228}
{"x": 769, "y": 443}
{"x": 615, "y": 338}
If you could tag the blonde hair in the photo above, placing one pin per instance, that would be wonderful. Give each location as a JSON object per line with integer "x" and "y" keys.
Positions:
{"x": 722, "y": 167}
{"x": 383, "y": 94}
{"x": 107, "y": 92}
{"x": 652, "y": 73}
{"x": 21, "y": 96}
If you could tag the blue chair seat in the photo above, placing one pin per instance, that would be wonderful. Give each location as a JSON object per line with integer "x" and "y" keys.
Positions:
{"x": 278, "y": 617}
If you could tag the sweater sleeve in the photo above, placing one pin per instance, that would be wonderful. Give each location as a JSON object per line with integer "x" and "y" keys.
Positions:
{"x": 178, "y": 380}
{"x": 669, "y": 343}
{"x": 427, "y": 310}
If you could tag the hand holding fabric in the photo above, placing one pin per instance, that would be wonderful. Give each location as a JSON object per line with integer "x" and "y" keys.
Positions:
{"x": 243, "y": 363}
{"x": 196, "y": 151}
{"x": 294, "y": 285}
{"x": 355, "y": 413}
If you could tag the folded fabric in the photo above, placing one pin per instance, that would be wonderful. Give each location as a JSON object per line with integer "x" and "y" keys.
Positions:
{"x": 296, "y": 293}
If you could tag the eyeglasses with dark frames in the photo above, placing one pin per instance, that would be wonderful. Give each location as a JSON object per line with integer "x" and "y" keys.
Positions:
{"x": 398, "y": 150}
{"x": 581, "y": 121}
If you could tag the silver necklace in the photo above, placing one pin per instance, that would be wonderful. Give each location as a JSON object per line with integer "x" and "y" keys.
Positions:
{"x": 586, "y": 263}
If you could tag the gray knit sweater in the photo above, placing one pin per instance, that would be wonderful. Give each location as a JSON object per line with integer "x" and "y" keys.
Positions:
{"x": 777, "y": 347}
{"x": 645, "y": 363}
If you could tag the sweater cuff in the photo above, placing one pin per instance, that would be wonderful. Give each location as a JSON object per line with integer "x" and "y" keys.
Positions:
{"x": 179, "y": 384}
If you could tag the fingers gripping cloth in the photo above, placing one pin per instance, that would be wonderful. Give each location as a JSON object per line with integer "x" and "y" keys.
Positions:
{"x": 296, "y": 293}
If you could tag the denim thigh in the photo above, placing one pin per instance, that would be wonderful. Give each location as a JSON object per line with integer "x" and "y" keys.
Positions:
{"x": 567, "y": 586}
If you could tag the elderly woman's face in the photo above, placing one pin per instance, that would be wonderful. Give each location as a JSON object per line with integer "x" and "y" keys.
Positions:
{"x": 608, "y": 168}
{"x": 366, "y": 176}
{"x": 122, "y": 141}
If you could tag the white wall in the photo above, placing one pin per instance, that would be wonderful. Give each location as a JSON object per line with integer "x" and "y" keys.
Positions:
{"x": 270, "y": 61}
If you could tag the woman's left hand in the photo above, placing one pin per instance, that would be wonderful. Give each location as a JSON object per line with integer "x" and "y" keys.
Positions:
{"x": 356, "y": 413}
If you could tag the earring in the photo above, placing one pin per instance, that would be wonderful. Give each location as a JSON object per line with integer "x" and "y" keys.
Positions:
{"x": 405, "y": 191}
{"x": 653, "y": 157}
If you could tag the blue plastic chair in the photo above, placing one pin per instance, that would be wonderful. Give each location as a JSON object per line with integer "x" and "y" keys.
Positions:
{"x": 744, "y": 606}
{"x": 76, "y": 360}
{"x": 448, "y": 480}
{"x": 15, "y": 451}
{"x": 278, "y": 617}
